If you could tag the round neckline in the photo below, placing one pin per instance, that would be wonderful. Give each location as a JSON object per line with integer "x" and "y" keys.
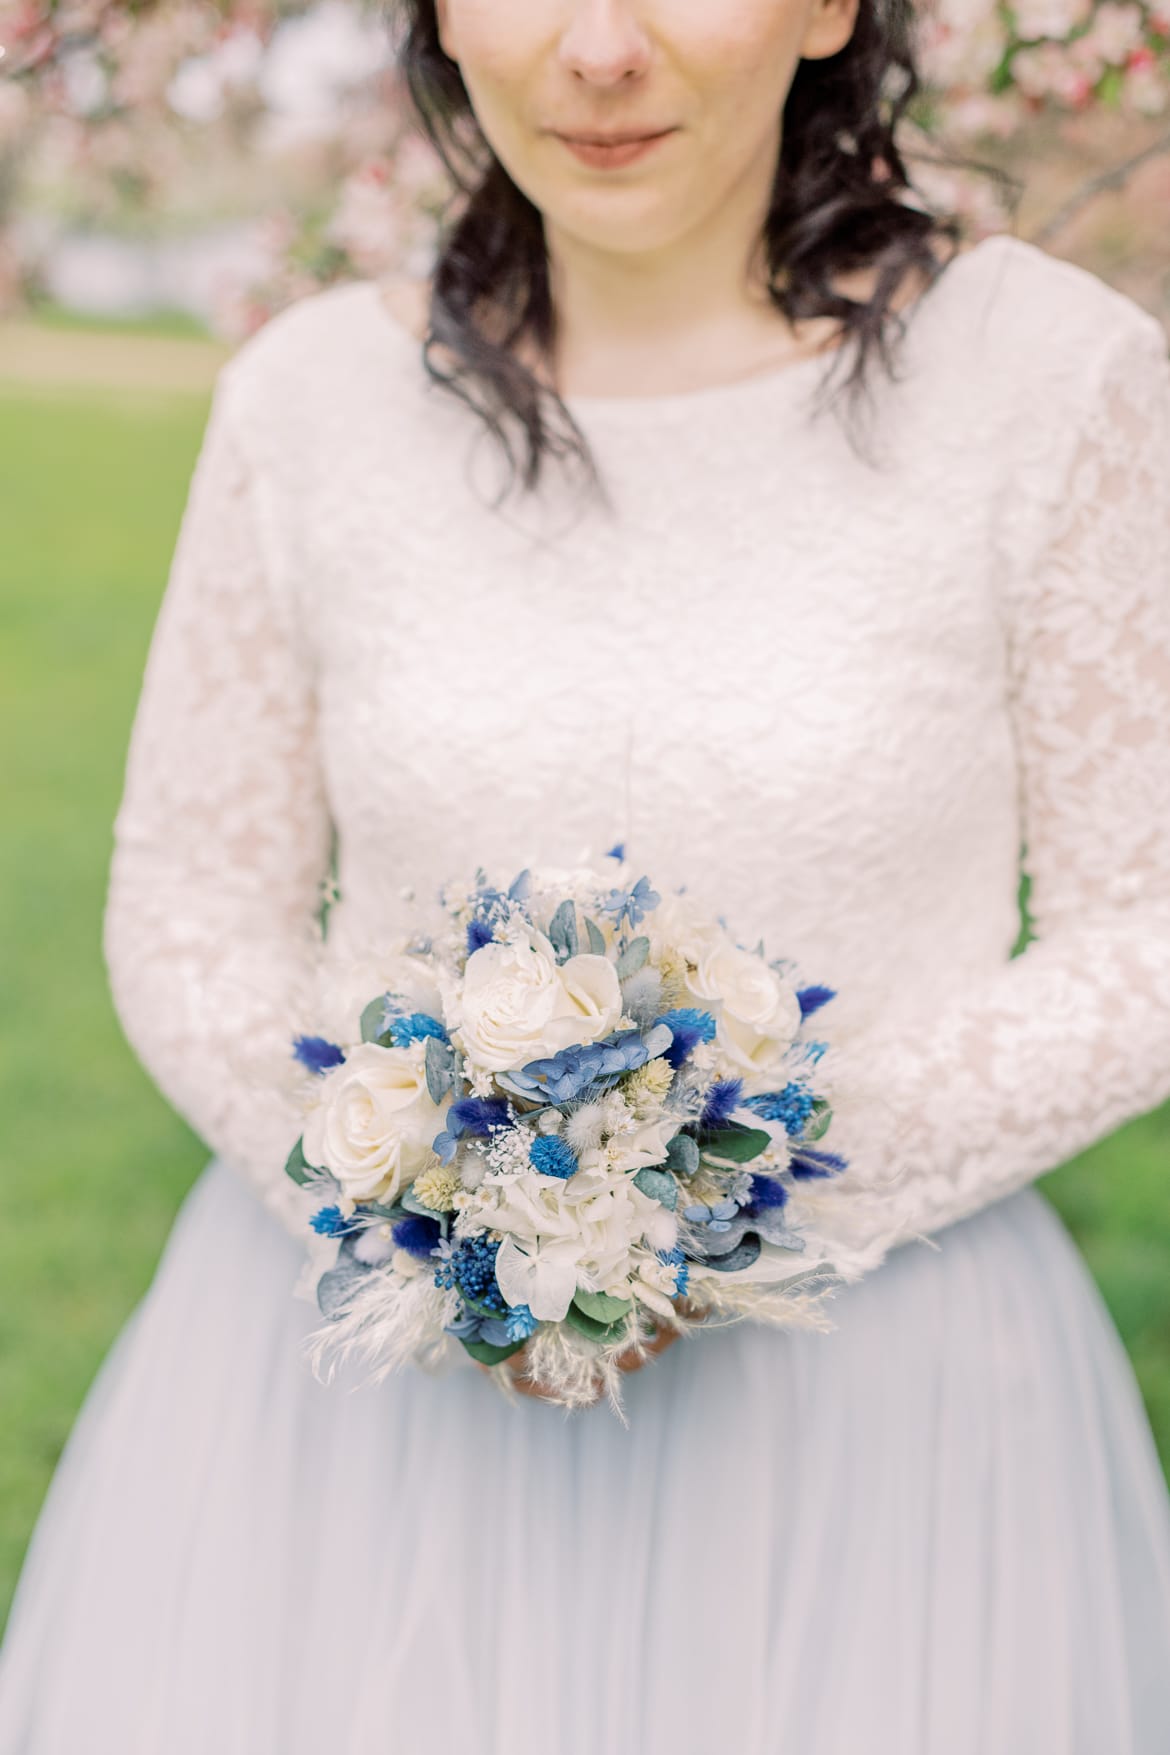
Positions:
{"x": 703, "y": 396}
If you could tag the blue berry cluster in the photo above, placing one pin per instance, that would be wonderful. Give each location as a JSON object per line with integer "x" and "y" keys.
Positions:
{"x": 470, "y": 1268}
{"x": 792, "y": 1106}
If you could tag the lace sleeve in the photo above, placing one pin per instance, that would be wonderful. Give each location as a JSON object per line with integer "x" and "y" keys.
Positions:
{"x": 1071, "y": 1038}
{"x": 222, "y": 838}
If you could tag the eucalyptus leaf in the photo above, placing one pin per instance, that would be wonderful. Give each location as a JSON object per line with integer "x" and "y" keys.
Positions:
{"x": 743, "y": 1255}
{"x": 489, "y": 1355}
{"x": 595, "y": 936}
{"x": 602, "y": 1306}
{"x": 682, "y": 1154}
{"x": 374, "y": 1026}
{"x": 439, "y": 1066}
{"x": 633, "y": 957}
{"x": 562, "y": 930}
{"x": 587, "y": 1325}
{"x": 737, "y": 1145}
{"x": 660, "y": 1185}
{"x": 337, "y": 1285}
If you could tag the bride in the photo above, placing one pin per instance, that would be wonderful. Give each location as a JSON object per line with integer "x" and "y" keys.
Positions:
{"x": 832, "y": 675}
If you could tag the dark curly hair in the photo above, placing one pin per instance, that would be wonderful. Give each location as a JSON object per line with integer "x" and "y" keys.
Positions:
{"x": 836, "y": 205}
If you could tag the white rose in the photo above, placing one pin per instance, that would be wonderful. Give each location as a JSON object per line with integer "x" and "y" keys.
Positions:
{"x": 518, "y": 1005}
{"x": 374, "y": 1120}
{"x": 757, "y": 1013}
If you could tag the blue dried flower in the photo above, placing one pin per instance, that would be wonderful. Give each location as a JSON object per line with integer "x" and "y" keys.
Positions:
{"x": 470, "y": 1266}
{"x": 689, "y": 1027}
{"x": 792, "y": 1106}
{"x": 716, "y": 1218}
{"x": 474, "y": 1115}
{"x": 479, "y": 933}
{"x": 808, "y": 1163}
{"x": 617, "y": 851}
{"x": 551, "y": 1156}
{"x": 811, "y": 999}
{"x": 316, "y": 1053}
{"x": 416, "y": 1027}
{"x": 417, "y": 1234}
{"x": 631, "y": 905}
{"x": 722, "y": 1097}
{"x": 675, "y": 1258}
{"x": 765, "y": 1192}
{"x": 331, "y": 1222}
{"x": 563, "y": 1076}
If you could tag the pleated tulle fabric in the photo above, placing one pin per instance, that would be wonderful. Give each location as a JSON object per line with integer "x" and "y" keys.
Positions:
{"x": 940, "y": 1529}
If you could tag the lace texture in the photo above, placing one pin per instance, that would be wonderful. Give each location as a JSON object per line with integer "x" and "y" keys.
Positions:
{"x": 1044, "y": 1057}
{"x": 222, "y": 838}
{"x": 348, "y": 639}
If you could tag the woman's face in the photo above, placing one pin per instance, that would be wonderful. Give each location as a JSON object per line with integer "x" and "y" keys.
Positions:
{"x": 716, "y": 73}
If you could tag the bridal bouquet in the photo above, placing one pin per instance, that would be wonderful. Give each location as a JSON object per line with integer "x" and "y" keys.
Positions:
{"x": 575, "y": 1103}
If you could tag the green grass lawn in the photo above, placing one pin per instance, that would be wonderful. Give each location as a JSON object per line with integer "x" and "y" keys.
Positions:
{"x": 95, "y": 1163}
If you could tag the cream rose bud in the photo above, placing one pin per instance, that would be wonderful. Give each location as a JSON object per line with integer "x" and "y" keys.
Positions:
{"x": 374, "y": 1120}
{"x": 758, "y": 1012}
{"x": 517, "y": 1004}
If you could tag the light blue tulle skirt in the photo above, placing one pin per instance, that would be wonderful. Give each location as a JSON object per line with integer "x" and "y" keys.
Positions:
{"x": 940, "y": 1529}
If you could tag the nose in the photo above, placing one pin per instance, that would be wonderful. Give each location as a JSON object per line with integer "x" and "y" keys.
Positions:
{"x": 604, "y": 43}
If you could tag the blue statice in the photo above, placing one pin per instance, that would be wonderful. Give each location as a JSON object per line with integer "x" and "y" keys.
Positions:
{"x": 471, "y": 1115}
{"x": 417, "y": 1234}
{"x": 792, "y": 1106}
{"x": 716, "y": 1218}
{"x": 469, "y": 1265}
{"x": 552, "y": 1156}
{"x": 563, "y": 1076}
{"x": 810, "y": 999}
{"x": 416, "y": 1027}
{"x": 316, "y": 1053}
{"x": 722, "y": 1097}
{"x": 675, "y": 1258}
{"x": 331, "y": 1222}
{"x": 631, "y": 905}
{"x": 689, "y": 1026}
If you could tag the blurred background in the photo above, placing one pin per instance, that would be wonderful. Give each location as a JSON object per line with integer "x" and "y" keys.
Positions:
{"x": 170, "y": 177}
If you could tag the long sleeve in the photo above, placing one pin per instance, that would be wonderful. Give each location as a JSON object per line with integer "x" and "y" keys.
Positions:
{"x": 222, "y": 839}
{"x": 1060, "y": 1045}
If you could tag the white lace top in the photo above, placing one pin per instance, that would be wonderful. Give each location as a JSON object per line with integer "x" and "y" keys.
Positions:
{"x": 833, "y": 699}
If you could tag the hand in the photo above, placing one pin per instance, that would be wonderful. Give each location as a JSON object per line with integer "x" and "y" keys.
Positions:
{"x": 516, "y": 1363}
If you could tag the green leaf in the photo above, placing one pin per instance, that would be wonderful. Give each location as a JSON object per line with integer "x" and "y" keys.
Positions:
{"x": 735, "y": 1143}
{"x": 819, "y": 1118}
{"x": 297, "y": 1165}
{"x": 373, "y": 1025}
{"x": 487, "y": 1354}
{"x": 633, "y": 957}
{"x": 439, "y": 1065}
{"x": 682, "y": 1154}
{"x": 602, "y": 1307}
{"x": 660, "y": 1185}
{"x": 562, "y": 930}
{"x": 596, "y": 937}
{"x": 587, "y": 1325}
